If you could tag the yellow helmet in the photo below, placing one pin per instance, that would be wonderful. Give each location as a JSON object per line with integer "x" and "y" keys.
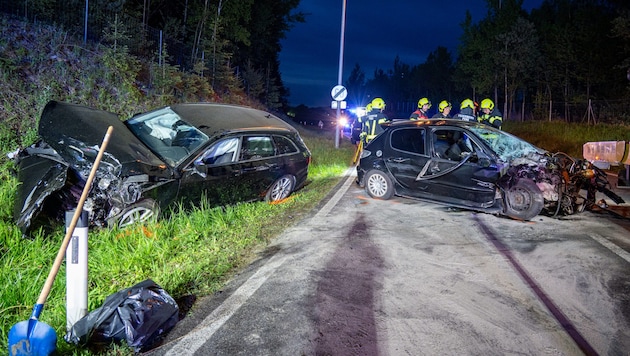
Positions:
{"x": 424, "y": 101}
{"x": 467, "y": 103}
{"x": 368, "y": 107}
{"x": 443, "y": 105}
{"x": 378, "y": 103}
{"x": 487, "y": 104}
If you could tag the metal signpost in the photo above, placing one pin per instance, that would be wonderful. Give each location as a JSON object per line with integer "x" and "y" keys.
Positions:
{"x": 339, "y": 92}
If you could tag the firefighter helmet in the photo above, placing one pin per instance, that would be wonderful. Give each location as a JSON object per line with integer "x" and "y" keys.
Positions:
{"x": 487, "y": 104}
{"x": 424, "y": 101}
{"x": 378, "y": 103}
{"x": 368, "y": 107}
{"x": 443, "y": 105}
{"x": 467, "y": 103}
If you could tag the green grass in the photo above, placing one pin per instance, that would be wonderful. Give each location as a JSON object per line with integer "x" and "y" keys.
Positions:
{"x": 190, "y": 253}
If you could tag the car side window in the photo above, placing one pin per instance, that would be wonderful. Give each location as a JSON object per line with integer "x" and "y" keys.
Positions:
{"x": 409, "y": 140}
{"x": 451, "y": 144}
{"x": 256, "y": 147}
{"x": 284, "y": 145}
{"x": 221, "y": 152}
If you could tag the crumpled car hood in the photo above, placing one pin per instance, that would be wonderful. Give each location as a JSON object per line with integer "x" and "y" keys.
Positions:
{"x": 62, "y": 125}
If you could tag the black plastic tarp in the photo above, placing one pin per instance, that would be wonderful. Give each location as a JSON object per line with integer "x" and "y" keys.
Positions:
{"x": 140, "y": 315}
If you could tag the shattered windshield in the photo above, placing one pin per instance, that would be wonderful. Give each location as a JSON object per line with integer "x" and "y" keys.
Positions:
{"x": 166, "y": 134}
{"x": 506, "y": 146}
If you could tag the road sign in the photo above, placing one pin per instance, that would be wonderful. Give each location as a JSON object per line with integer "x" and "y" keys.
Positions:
{"x": 339, "y": 92}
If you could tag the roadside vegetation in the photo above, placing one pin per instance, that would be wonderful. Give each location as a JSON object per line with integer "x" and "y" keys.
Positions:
{"x": 559, "y": 136}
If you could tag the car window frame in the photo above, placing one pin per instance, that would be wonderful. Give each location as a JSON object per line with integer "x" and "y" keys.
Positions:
{"x": 424, "y": 142}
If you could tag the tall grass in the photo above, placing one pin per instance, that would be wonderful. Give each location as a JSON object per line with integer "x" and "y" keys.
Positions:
{"x": 559, "y": 136}
{"x": 190, "y": 253}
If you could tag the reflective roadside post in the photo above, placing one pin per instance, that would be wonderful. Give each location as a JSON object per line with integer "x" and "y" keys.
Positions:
{"x": 339, "y": 77}
{"x": 77, "y": 270}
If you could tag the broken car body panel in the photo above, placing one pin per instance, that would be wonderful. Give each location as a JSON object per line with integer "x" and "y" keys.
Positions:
{"x": 152, "y": 160}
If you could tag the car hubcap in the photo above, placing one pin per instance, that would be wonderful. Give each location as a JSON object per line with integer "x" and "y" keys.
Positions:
{"x": 377, "y": 185}
{"x": 281, "y": 190}
{"x": 135, "y": 215}
{"x": 520, "y": 199}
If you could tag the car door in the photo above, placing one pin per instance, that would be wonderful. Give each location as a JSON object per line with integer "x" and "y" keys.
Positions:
{"x": 216, "y": 174}
{"x": 459, "y": 171}
{"x": 405, "y": 155}
{"x": 260, "y": 165}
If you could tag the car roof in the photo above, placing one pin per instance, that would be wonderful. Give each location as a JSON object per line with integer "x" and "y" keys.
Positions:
{"x": 212, "y": 118}
{"x": 432, "y": 122}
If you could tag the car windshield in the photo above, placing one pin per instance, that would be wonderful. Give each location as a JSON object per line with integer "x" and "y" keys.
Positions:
{"x": 166, "y": 134}
{"x": 506, "y": 146}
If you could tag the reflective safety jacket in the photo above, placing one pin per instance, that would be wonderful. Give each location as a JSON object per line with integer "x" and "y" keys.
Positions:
{"x": 371, "y": 124}
{"x": 418, "y": 115}
{"x": 494, "y": 118}
{"x": 466, "y": 114}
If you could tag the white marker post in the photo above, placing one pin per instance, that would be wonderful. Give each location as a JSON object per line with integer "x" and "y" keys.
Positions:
{"x": 76, "y": 270}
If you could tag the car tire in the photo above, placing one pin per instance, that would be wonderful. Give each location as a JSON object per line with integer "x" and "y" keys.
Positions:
{"x": 141, "y": 211}
{"x": 280, "y": 189}
{"x": 524, "y": 200}
{"x": 378, "y": 185}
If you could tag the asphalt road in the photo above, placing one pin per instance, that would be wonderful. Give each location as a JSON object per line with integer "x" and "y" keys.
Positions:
{"x": 405, "y": 277}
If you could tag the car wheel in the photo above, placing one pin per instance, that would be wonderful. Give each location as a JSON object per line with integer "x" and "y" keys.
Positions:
{"x": 281, "y": 189}
{"x": 378, "y": 185}
{"x": 141, "y": 211}
{"x": 524, "y": 200}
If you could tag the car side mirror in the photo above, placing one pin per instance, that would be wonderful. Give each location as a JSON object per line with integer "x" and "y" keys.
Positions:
{"x": 200, "y": 168}
{"x": 481, "y": 159}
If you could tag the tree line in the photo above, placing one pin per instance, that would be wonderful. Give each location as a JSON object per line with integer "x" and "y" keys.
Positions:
{"x": 235, "y": 44}
{"x": 567, "y": 52}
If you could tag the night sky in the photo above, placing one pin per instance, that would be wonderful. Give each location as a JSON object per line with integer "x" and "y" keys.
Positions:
{"x": 376, "y": 32}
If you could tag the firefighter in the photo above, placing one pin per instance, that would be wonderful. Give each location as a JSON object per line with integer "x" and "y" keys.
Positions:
{"x": 444, "y": 108}
{"x": 373, "y": 120}
{"x": 466, "y": 111}
{"x": 424, "y": 105}
{"x": 489, "y": 114}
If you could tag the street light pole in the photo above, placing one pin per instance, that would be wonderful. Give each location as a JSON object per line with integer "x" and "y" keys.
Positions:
{"x": 340, "y": 75}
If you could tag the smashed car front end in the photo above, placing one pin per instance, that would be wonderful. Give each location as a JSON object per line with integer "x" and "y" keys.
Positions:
{"x": 50, "y": 186}
{"x": 52, "y": 172}
{"x": 561, "y": 179}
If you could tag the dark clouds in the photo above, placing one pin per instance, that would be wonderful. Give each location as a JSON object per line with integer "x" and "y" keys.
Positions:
{"x": 376, "y": 32}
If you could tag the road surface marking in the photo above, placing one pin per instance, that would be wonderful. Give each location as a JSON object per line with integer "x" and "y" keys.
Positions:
{"x": 335, "y": 199}
{"x": 612, "y": 247}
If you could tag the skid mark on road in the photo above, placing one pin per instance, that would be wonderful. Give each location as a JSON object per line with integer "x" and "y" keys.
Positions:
{"x": 346, "y": 296}
{"x": 566, "y": 324}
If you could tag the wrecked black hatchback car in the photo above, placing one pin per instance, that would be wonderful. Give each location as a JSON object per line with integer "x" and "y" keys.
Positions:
{"x": 183, "y": 153}
{"x": 474, "y": 166}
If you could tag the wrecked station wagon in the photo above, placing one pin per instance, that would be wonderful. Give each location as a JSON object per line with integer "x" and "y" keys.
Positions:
{"x": 475, "y": 166}
{"x": 182, "y": 153}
